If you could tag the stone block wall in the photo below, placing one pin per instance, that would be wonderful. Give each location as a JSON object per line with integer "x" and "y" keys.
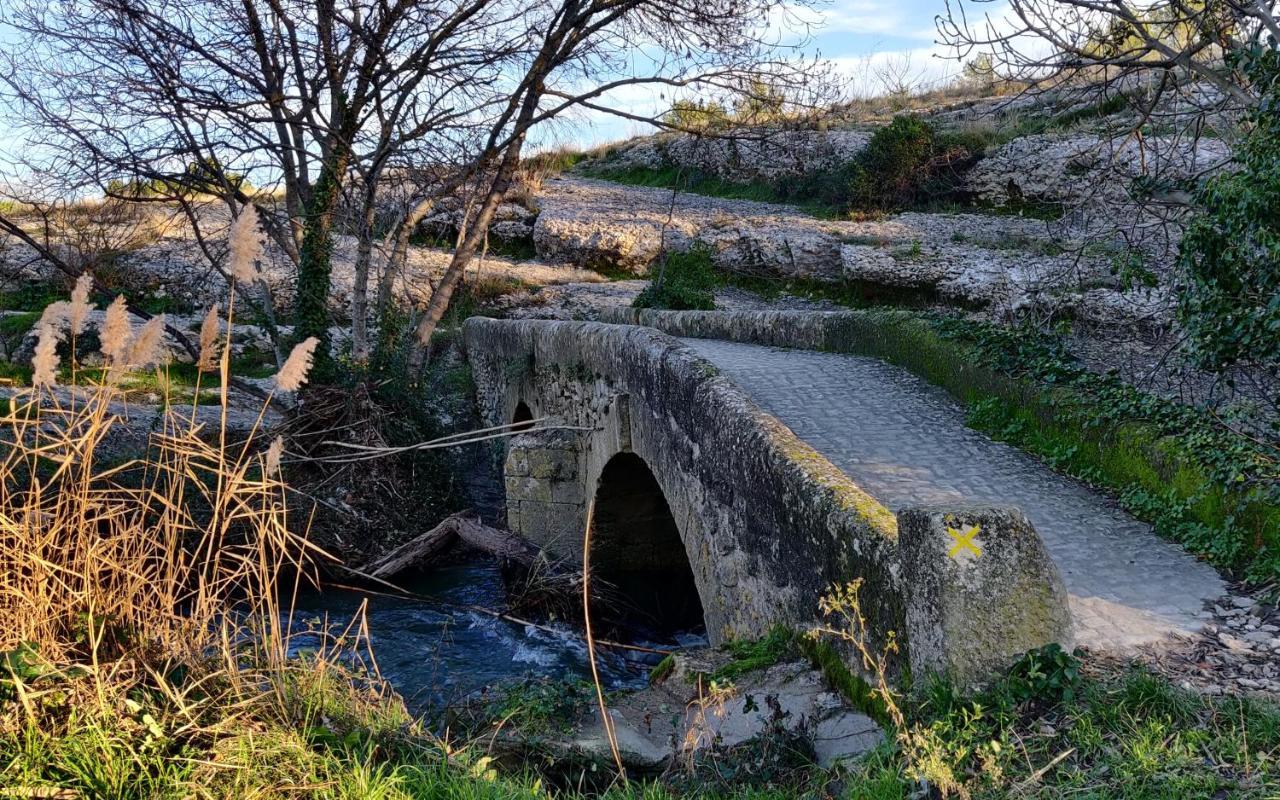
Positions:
{"x": 546, "y": 492}
{"x": 983, "y": 590}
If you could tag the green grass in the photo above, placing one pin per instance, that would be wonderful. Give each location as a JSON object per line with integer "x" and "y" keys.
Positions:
{"x": 1125, "y": 734}
{"x": 32, "y": 296}
{"x": 1129, "y": 735}
{"x": 555, "y": 161}
{"x": 14, "y": 328}
{"x": 16, "y": 374}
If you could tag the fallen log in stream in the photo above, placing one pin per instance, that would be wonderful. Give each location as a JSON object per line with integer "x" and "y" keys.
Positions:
{"x": 507, "y": 547}
{"x": 418, "y": 552}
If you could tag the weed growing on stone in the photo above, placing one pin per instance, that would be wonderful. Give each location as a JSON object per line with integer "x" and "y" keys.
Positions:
{"x": 748, "y": 656}
{"x": 683, "y": 281}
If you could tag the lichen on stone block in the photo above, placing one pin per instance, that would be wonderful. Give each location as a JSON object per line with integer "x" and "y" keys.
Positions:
{"x": 982, "y": 590}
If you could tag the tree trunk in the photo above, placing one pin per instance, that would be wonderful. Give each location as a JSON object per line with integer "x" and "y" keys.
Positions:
{"x": 315, "y": 259}
{"x": 399, "y": 253}
{"x": 360, "y": 289}
{"x": 466, "y": 250}
{"x": 421, "y": 550}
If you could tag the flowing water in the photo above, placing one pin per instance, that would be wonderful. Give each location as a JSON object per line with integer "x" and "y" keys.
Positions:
{"x": 435, "y": 653}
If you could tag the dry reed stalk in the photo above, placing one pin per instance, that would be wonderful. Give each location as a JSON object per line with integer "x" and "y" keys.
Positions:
{"x": 117, "y": 572}
{"x": 605, "y": 719}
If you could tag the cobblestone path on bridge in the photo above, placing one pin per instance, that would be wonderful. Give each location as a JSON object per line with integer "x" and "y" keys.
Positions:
{"x": 905, "y": 442}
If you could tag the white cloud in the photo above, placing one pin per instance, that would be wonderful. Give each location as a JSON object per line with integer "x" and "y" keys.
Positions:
{"x": 919, "y": 68}
{"x": 870, "y": 17}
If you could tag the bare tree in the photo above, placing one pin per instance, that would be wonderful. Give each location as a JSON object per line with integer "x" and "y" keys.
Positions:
{"x": 1168, "y": 46}
{"x": 1165, "y": 72}
{"x": 252, "y": 101}
{"x": 294, "y": 104}
{"x": 586, "y": 50}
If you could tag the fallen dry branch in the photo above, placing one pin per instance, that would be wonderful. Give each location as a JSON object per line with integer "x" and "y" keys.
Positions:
{"x": 503, "y": 545}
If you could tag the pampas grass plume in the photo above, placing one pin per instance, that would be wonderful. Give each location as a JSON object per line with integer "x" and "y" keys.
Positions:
{"x": 294, "y": 372}
{"x": 148, "y": 348}
{"x": 116, "y": 332}
{"x": 55, "y": 314}
{"x": 80, "y": 305}
{"x": 209, "y": 342}
{"x": 44, "y": 364}
{"x": 247, "y": 242}
{"x": 274, "y": 452}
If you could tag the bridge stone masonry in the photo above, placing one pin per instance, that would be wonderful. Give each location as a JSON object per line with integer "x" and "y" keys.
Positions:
{"x": 707, "y": 504}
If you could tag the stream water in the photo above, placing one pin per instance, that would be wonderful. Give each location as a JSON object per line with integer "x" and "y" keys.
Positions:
{"x": 436, "y": 652}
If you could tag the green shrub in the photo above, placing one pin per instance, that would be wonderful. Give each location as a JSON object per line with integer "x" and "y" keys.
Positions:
{"x": 684, "y": 282}
{"x": 696, "y": 115}
{"x": 1231, "y": 251}
{"x": 908, "y": 162}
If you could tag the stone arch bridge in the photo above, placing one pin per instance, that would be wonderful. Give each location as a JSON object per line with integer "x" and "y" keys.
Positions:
{"x": 707, "y": 505}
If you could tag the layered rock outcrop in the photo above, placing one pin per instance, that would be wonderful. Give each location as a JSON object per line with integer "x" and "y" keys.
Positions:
{"x": 750, "y": 155}
{"x": 999, "y": 262}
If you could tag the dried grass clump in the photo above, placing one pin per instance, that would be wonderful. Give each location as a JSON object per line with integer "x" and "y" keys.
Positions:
{"x": 168, "y": 575}
{"x": 153, "y": 553}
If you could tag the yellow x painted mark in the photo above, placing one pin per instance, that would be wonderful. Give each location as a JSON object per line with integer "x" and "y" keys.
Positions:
{"x": 964, "y": 540}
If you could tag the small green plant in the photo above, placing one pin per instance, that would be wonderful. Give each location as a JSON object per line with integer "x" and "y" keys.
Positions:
{"x": 540, "y": 705}
{"x": 1048, "y": 675}
{"x": 684, "y": 282}
{"x": 748, "y": 656}
{"x": 662, "y": 670}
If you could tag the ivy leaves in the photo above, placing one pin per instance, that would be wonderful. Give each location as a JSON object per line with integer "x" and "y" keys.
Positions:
{"x": 1231, "y": 251}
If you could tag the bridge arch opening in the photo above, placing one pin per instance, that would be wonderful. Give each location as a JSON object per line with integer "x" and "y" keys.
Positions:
{"x": 637, "y": 551}
{"x": 522, "y": 417}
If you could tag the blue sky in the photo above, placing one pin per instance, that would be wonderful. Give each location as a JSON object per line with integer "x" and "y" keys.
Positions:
{"x": 861, "y": 37}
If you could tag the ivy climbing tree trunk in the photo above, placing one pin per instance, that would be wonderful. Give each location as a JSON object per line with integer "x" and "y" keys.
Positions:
{"x": 315, "y": 265}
